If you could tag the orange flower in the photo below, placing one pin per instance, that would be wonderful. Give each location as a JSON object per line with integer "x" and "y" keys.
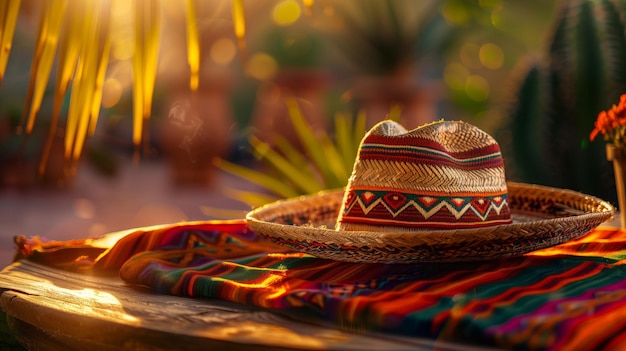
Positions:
{"x": 612, "y": 123}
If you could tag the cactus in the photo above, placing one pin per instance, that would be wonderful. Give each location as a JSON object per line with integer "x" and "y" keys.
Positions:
{"x": 546, "y": 136}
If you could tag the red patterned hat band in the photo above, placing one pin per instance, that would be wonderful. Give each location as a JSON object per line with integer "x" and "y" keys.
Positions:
{"x": 443, "y": 175}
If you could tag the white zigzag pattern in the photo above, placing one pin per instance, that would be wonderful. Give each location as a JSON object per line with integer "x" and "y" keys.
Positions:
{"x": 427, "y": 214}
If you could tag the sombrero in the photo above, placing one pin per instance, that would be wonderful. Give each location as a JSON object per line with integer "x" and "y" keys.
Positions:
{"x": 437, "y": 193}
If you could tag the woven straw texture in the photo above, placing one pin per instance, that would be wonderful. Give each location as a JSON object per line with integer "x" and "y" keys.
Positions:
{"x": 446, "y": 174}
{"x": 542, "y": 217}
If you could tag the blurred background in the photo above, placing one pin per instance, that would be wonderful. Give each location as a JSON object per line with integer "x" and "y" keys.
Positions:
{"x": 365, "y": 60}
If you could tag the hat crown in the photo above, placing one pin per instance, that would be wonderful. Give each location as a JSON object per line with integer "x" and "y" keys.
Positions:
{"x": 443, "y": 175}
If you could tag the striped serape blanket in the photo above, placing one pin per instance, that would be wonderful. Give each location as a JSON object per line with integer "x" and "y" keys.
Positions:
{"x": 569, "y": 297}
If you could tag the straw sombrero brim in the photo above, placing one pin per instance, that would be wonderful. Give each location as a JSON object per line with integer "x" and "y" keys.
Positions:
{"x": 542, "y": 217}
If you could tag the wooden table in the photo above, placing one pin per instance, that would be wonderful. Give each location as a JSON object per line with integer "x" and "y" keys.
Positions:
{"x": 50, "y": 309}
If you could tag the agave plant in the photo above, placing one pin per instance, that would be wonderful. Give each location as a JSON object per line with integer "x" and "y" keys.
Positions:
{"x": 286, "y": 172}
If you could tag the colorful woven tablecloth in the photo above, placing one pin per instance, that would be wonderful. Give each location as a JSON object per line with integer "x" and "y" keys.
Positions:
{"x": 572, "y": 296}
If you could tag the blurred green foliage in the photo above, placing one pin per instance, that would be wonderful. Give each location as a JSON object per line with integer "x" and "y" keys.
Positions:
{"x": 560, "y": 95}
{"x": 320, "y": 162}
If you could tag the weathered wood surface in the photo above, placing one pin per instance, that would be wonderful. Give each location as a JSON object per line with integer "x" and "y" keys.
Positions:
{"x": 49, "y": 309}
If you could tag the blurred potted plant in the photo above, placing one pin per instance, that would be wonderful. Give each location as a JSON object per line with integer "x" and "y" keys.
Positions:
{"x": 298, "y": 53}
{"x": 383, "y": 46}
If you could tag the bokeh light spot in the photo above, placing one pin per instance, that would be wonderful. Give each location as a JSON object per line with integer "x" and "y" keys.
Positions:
{"x": 469, "y": 55}
{"x": 84, "y": 208}
{"x": 455, "y": 75}
{"x": 491, "y": 56}
{"x": 111, "y": 93}
{"x": 223, "y": 51}
{"x": 455, "y": 12}
{"x": 286, "y": 12}
{"x": 261, "y": 66}
{"x": 477, "y": 88}
{"x": 122, "y": 49}
{"x": 122, "y": 72}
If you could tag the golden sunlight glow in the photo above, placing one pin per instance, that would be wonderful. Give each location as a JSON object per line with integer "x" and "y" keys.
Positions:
{"x": 104, "y": 303}
{"x": 477, "y": 88}
{"x": 121, "y": 30}
{"x": 286, "y": 12}
{"x": 112, "y": 93}
{"x": 261, "y": 66}
{"x": 122, "y": 49}
{"x": 491, "y": 56}
{"x": 259, "y": 333}
{"x": 223, "y": 51}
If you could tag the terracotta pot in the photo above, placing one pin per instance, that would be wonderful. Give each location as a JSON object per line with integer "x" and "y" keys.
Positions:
{"x": 617, "y": 154}
{"x": 195, "y": 129}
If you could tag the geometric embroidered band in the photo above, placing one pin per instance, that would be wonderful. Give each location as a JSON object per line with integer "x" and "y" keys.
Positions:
{"x": 417, "y": 212}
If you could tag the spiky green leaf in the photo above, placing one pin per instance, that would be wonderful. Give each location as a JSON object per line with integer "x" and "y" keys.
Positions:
{"x": 310, "y": 141}
{"x": 303, "y": 180}
{"x": 273, "y": 184}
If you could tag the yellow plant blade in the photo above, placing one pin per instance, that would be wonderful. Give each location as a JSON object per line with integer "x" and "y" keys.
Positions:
{"x": 193, "y": 44}
{"x": 145, "y": 57}
{"x": 9, "y": 11}
{"x": 344, "y": 139}
{"x": 359, "y": 130}
{"x": 239, "y": 23}
{"x": 138, "y": 75}
{"x": 152, "y": 52}
{"x": 335, "y": 164}
{"x": 47, "y": 41}
{"x": 310, "y": 141}
{"x": 272, "y": 184}
{"x": 395, "y": 112}
{"x": 69, "y": 47}
{"x": 83, "y": 87}
{"x": 301, "y": 179}
{"x": 102, "y": 61}
{"x": 79, "y": 38}
{"x": 293, "y": 155}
